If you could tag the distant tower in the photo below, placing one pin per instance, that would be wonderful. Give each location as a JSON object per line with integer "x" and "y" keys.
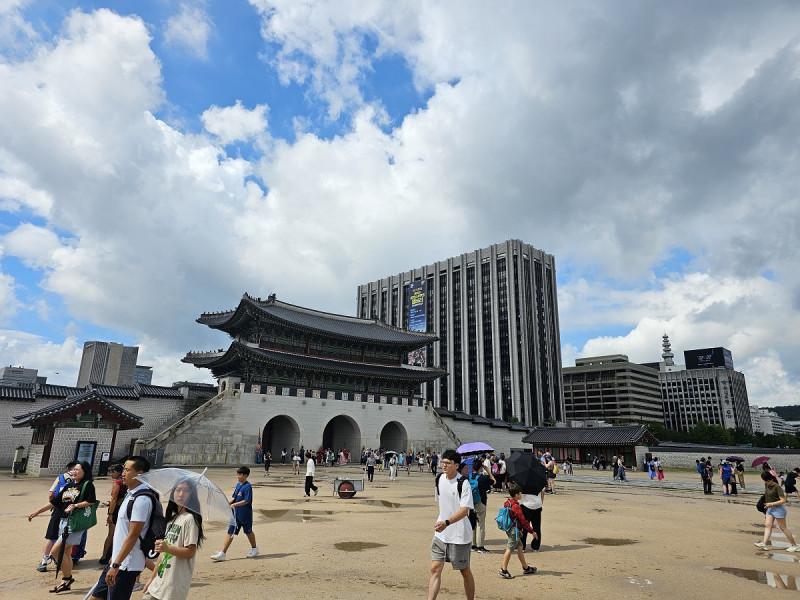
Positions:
{"x": 667, "y": 355}
{"x": 107, "y": 363}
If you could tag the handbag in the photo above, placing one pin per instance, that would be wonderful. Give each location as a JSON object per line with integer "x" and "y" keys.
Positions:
{"x": 82, "y": 519}
{"x": 761, "y": 505}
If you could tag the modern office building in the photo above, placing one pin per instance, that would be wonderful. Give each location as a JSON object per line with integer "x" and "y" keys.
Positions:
{"x": 495, "y": 313}
{"x": 107, "y": 363}
{"x": 18, "y": 376}
{"x": 707, "y": 389}
{"x": 769, "y": 423}
{"x": 143, "y": 375}
{"x": 613, "y": 389}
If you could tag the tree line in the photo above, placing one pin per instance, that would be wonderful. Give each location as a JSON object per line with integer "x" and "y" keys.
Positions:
{"x": 717, "y": 435}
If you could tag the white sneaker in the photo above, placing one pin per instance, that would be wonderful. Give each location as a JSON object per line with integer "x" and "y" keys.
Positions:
{"x": 218, "y": 556}
{"x": 761, "y": 545}
{"x": 793, "y": 549}
{"x": 253, "y": 552}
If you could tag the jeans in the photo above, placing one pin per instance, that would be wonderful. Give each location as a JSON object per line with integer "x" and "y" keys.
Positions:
{"x": 370, "y": 472}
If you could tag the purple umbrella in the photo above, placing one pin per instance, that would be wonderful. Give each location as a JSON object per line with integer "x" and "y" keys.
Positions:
{"x": 735, "y": 458}
{"x": 760, "y": 461}
{"x": 474, "y": 448}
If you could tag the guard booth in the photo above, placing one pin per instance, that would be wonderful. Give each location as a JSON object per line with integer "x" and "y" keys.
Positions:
{"x": 53, "y": 444}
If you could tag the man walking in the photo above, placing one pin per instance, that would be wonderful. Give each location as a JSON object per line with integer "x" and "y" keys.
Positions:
{"x": 452, "y": 532}
{"x": 127, "y": 559}
{"x": 311, "y": 470}
{"x": 480, "y": 485}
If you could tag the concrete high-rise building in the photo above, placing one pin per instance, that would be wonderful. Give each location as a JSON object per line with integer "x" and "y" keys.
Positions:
{"x": 613, "y": 389}
{"x": 496, "y": 315}
{"x": 709, "y": 390}
{"x": 107, "y": 363}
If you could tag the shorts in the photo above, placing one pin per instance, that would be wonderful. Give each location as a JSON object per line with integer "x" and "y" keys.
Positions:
{"x": 52, "y": 526}
{"x": 779, "y": 512}
{"x": 234, "y": 530}
{"x": 123, "y": 588}
{"x": 72, "y": 538}
{"x": 457, "y": 554}
{"x": 513, "y": 539}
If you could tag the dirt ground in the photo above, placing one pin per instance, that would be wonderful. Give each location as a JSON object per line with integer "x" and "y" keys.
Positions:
{"x": 600, "y": 540}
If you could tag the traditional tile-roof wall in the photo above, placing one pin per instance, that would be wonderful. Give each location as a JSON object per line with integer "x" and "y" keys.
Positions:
{"x": 589, "y": 436}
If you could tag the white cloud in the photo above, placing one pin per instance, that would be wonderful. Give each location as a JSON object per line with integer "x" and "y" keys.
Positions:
{"x": 596, "y": 135}
{"x": 190, "y": 29}
{"x": 59, "y": 362}
{"x": 34, "y": 245}
{"x": 235, "y": 123}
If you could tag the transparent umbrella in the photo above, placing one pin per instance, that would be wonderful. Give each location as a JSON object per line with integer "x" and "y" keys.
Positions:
{"x": 205, "y": 498}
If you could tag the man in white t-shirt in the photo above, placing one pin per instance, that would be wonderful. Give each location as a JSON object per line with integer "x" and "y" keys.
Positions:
{"x": 452, "y": 538}
{"x": 127, "y": 559}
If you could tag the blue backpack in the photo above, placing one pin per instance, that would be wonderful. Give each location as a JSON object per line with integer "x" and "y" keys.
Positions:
{"x": 505, "y": 520}
{"x": 62, "y": 483}
{"x": 476, "y": 495}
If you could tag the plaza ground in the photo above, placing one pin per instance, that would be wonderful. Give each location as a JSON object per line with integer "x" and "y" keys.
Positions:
{"x": 600, "y": 540}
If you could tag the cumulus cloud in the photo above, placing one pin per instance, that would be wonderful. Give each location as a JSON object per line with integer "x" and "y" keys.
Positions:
{"x": 604, "y": 136}
{"x": 235, "y": 123}
{"x": 34, "y": 245}
{"x": 59, "y": 362}
{"x": 190, "y": 29}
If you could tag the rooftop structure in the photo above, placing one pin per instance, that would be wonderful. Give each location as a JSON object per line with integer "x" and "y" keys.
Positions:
{"x": 282, "y": 344}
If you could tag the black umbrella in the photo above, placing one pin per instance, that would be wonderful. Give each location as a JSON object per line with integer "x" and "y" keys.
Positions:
{"x": 527, "y": 471}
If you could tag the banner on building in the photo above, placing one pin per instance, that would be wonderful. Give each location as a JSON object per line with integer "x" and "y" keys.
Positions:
{"x": 417, "y": 320}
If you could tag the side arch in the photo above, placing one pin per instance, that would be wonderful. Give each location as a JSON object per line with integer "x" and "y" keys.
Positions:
{"x": 394, "y": 437}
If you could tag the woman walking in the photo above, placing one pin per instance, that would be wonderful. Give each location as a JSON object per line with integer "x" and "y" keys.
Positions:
{"x": 118, "y": 491}
{"x": 774, "y": 502}
{"x": 77, "y": 495}
{"x": 184, "y": 534}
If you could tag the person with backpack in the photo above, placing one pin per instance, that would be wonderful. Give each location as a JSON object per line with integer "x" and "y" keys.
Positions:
{"x": 172, "y": 576}
{"x": 452, "y": 532}
{"x": 480, "y": 484}
{"x": 512, "y": 519}
{"x": 51, "y": 535}
{"x": 133, "y": 523}
{"x": 77, "y": 495}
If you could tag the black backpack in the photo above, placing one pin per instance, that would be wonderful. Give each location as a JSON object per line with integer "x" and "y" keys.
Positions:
{"x": 157, "y": 526}
{"x": 471, "y": 515}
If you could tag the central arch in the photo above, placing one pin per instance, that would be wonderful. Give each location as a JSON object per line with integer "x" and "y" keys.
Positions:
{"x": 342, "y": 432}
{"x": 280, "y": 432}
{"x": 394, "y": 437}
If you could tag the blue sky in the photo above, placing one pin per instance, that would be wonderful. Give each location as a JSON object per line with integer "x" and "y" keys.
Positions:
{"x": 158, "y": 159}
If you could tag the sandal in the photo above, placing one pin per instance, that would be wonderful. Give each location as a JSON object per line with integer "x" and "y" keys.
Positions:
{"x": 529, "y": 570}
{"x": 64, "y": 586}
{"x": 505, "y": 574}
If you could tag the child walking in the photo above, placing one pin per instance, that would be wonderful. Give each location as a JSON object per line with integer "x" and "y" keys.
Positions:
{"x": 242, "y": 503}
{"x": 514, "y": 543}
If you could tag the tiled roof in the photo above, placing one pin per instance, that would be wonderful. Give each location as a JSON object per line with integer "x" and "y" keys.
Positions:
{"x": 313, "y": 321}
{"x": 113, "y": 391}
{"x": 157, "y": 391}
{"x": 70, "y": 404}
{"x": 228, "y": 360}
{"x": 589, "y": 436}
{"x": 14, "y": 392}
{"x": 49, "y": 390}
